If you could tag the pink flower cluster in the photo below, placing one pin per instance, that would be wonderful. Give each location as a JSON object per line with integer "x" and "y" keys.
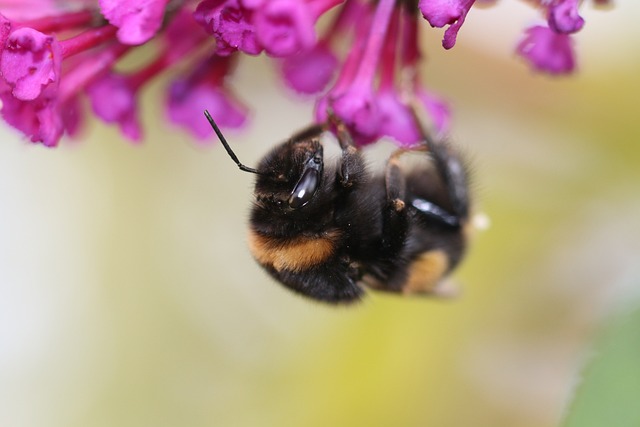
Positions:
{"x": 55, "y": 56}
{"x": 548, "y": 46}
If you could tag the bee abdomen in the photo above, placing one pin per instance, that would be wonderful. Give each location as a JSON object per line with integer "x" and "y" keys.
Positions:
{"x": 294, "y": 254}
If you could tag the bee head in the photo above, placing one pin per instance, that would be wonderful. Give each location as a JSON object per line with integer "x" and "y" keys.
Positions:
{"x": 289, "y": 176}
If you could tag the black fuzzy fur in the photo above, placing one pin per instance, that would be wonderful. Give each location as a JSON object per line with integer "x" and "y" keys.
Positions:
{"x": 376, "y": 238}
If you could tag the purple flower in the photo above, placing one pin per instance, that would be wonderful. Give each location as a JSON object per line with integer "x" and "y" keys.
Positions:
{"x": 45, "y": 118}
{"x": 358, "y": 108}
{"x": 397, "y": 120}
{"x": 438, "y": 110}
{"x": 185, "y": 107}
{"x": 311, "y": 70}
{"x": 61, "y": 22}
{"x": 564, "y": 17}
{"x": 547, "y": 50}
{"x": 29, "y": 9}
{"x": 114, "y": 99}
{"x": 230, "y": 22}
{"x": 252, "y": 4}
{"x": 114, "y": 96}
{"x": 182, "y": 36}
{"x": 446, "y": 12}
{"x": 29, "y": 62}
{"x": 204, "y": 88}
{"x": 72, "y": 116}
{"x": 372, "y": 46}
{"x": 353, "y": 98}
{"x": 39, "y": 118}
{"x": 5, "y": 29}
{"x": 137, "y": 20}
{"x": 285, "y": 27}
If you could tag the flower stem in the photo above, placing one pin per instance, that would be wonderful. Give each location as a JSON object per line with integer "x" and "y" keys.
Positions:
{"x": 346, "y": 15}
{"x": 87, "y": 40}
{"x": 318, "y": 7}
{"x": 410, "y": 49}
{"x": 373, "y": 48}
{"x": 142, "y": 76}
{"x": 390, "y": 48}
{"x": 350, "y": 66}
{"x": 67, "y": 21}
{"x": 215, "y": 69}
{"x": 78, "y": 78}
{"x": 169, "y": 56}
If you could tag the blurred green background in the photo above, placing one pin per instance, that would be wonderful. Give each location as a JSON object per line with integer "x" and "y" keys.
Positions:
{"x": 128, "y": 296}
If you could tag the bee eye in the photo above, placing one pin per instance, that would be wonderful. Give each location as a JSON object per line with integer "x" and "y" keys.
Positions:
{"x": 305, "y": 189}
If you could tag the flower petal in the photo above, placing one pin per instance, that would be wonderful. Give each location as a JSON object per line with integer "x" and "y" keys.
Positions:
{"x": 39, "y": 119}
{"x": 138, "y": 21}
{"x": 231, "y": 24}
{"x": 358, "y": 108}
{"x": 30, "y": 61}
{"x": 186, "y": 102}
{"x": 311, "y": 70}
{"x": 285, "y": 27}
{"x": 547, "y": 50}
{"x": 446, "y": 12}
{"x": 564, "y": 17}
{"x": 114, "y": 101}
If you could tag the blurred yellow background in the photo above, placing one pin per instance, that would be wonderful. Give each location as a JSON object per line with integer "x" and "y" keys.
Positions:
{"x": 128, "y": 296}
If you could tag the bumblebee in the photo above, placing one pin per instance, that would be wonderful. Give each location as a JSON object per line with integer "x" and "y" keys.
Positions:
{"x": 329, "y": 231}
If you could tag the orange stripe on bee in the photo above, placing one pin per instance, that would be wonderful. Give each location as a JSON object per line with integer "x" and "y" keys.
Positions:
{"x": 297, "y": 254}
{"x": 426, "y": 271}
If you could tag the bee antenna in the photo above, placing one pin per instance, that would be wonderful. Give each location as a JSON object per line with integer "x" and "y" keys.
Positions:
{"x": 227, "y": 147}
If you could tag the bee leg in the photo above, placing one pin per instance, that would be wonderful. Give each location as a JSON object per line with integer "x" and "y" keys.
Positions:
{"x": 352, "y": 170}
{"x": 452, "y": 171}
{"x": 395, "y": 213}
{"x": 394, "y": 180}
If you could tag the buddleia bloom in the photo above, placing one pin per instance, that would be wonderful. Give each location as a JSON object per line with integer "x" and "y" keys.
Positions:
{"x": 59, "y": 60}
